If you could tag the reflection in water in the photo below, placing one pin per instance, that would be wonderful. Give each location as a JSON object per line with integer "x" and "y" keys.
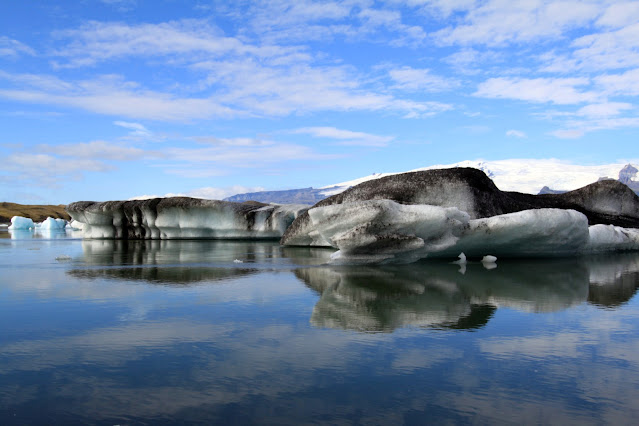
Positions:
{"x": 76, "y": 348}
{"x": 162, "y": 252}
{"x": 436, "y": 295}
{"x": 614, "y": 279}
{"x": 163, "y": 275}
{"x": 185, "y": 261}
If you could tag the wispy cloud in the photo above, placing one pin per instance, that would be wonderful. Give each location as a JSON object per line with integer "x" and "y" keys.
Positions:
{"x": 500, "y": 23}
{"x": 14, "y": 48}
{"x": 345, "y": 137}
{"x": 516, "y": 134}
{"x": 137, "y": 129}
{"x": 561, "y": 91}
{"x": 414, "y": 79}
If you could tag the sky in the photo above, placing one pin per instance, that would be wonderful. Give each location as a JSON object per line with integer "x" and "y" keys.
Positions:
{"x": 113, "y": 99}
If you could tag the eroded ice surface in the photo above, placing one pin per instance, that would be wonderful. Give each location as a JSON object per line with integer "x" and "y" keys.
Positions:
{"x": 182, "y": 217}
{"x": 382, "y": 231}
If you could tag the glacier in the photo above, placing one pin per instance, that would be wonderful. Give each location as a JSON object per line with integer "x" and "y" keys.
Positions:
{"x": 182, "y": 217}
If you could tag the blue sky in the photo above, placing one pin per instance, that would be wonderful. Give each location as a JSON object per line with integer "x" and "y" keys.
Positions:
{"x": 114, "y": 99}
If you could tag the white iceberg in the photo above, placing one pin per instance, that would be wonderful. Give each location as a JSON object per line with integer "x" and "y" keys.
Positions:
{"x": 51, "y": 224}
{"x": 21, "y": 223}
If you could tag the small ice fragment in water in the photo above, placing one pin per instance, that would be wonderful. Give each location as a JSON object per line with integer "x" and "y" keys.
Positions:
{"x": 62, "y": 258}
{"x": 489, "y": 259}
{"x": 462, "y": 259}
{"x": 238, "y": 261}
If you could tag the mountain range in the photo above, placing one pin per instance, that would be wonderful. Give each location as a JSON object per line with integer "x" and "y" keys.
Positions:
{"x": 520, "y": 175}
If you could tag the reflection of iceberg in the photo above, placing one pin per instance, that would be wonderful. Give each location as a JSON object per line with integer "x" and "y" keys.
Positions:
{"x": 436, "y": 295}
{"x": 383, "y": 299}
{"x": 163, "y": 275}
{"x": 614, "y": 279}
{"x": 185, "y": 261}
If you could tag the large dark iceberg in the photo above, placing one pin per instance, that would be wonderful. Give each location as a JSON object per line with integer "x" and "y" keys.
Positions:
{"x": 405, "y": 217}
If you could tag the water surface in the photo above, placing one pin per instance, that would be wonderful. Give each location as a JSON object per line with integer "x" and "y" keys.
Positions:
{"x": 153, "y": 332}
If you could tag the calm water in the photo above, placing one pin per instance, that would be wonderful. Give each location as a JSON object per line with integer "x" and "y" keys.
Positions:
{"x": 179, "y": 332}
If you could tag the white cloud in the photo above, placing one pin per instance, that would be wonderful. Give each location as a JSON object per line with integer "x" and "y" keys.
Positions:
{"x": 414, "y": 79}
{"x": 502, "y": 22}
{"x": 516, "y": 134}
{"x": 221, "y": 193}
{"x": 605, "y": 109}
{"x": 209, "y": 193}
{"x": 568, "y": 133}
{"x": 561, "y": 91}
{"x": 598, "y": 51}
{"x": 97, "y": 150}
{"x": 137, "y": 129}
{"x": 625, "y": 84}
{"x": 97, "y": 42}
{"x": 14, "y": 48}
{"x": 347, "y": 137}
{"x": 620, "y": 14}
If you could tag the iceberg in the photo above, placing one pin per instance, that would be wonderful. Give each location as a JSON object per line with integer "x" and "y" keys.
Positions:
{"x": 606, "y": 202}
{"x": 441, "y": 213}
{"x": 21, "y": 223}
{"x": 183, "y": 217}
{"x": 382, "y": 231}
{"x": 51, "y": 224}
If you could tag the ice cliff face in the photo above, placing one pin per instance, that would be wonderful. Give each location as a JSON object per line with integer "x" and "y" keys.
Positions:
{"x": 182, "y": 217}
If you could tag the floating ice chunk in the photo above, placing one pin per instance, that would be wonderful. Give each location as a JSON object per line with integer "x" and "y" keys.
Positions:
{"x": 21, "y": 223}
{"x": 612, "y": 238}
{"x": 462, "y": 259}
{"x": 51, "y": 224}
{"x": 528, "y": 233}
{"x": 238, "y": 261}
{"x": 488, "y": 259}
{"x": 383, "y": 231}
{"x": 75, "y": 225}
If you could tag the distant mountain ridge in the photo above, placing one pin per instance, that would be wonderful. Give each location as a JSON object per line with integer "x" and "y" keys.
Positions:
{"x": 521, "y": 175}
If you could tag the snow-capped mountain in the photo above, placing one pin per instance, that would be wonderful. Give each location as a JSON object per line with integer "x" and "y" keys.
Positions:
{"x": 521, "y": 175}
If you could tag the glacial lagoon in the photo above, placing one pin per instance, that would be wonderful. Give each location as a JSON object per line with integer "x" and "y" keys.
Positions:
{"x": 234, "y": 332}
